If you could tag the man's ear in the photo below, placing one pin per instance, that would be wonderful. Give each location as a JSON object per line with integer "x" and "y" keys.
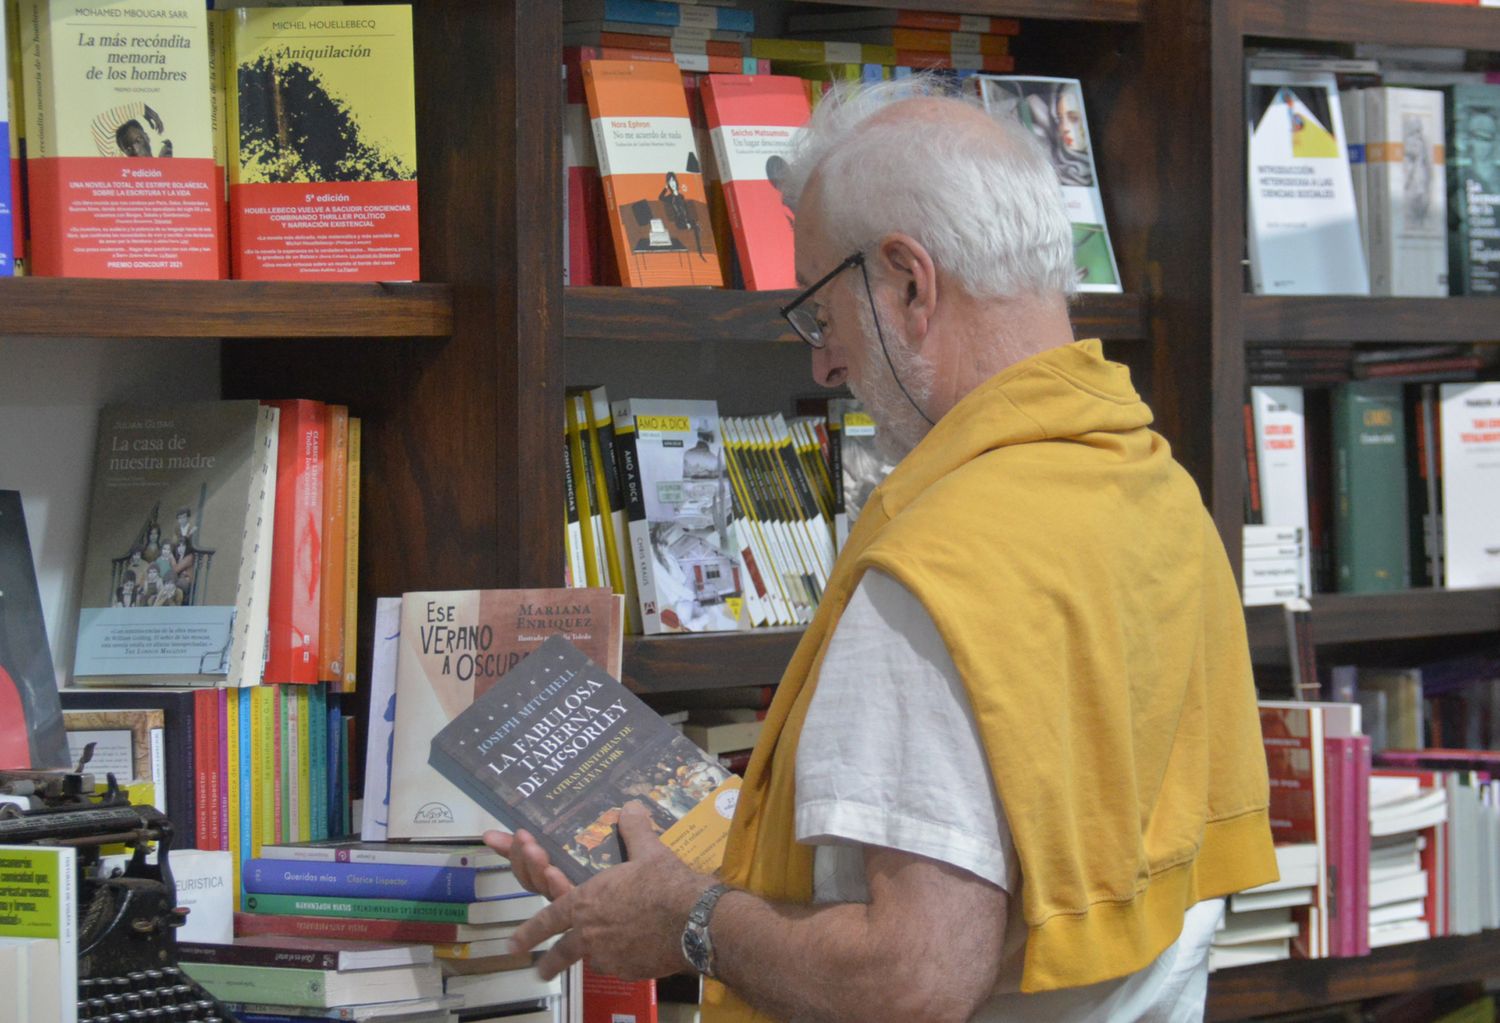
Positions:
{"x": 908, "y": 264}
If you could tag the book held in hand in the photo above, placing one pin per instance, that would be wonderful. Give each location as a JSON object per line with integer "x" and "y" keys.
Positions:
{"x": 558, "y": 747}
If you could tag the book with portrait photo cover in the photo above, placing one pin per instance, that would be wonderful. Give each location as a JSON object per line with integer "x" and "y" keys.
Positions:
{"x": 557, "y": 746}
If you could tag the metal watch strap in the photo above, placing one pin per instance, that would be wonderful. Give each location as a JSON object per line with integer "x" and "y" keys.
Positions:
{"x": 697, "y": 946}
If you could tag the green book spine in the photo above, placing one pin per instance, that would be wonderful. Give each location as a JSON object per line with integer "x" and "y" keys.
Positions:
{"x": 1369, "y": 450}
{"x": 268, "y": 985}
{"x": 1474, "y": 190}
{"x": 317, "y": 739}
{"x": 365, "y": 909}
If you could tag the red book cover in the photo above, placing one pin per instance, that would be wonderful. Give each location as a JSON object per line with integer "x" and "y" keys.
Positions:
{"x": 684, "y": 61}
{"x": 225, "y": 778}
{"x": 591, "y": 254}
{"x": 1340, "y": 757}
{"x": 1293, "y": 737}
{"x": 296, "y": 548}
{"x": 754, "y": 121}
{"x": 206, "y": 765}
{"x": 335, "y": 538}
{"x": 612, "y": 1000}
{"x": 362, "y": 929}
{"x": 653, "y": 183}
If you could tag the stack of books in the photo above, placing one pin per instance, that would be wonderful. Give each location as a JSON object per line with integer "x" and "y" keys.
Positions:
{"x": 1259, "y": 925}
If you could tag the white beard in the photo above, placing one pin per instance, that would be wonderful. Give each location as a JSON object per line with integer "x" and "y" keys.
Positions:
{"x": 899, "y": 426}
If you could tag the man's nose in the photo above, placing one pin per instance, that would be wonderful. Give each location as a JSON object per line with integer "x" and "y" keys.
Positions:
{"x": 826, "y": 370}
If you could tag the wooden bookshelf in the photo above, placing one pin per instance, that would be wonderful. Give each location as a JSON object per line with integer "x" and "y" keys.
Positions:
{"x": 1368, "y": 617}
{"x": 1062, "y": 10}
{"x": 718, "y": 660}
{"x": 719, "y": 314}
{"x": 1399, "y": 22}
{"x": 62, "y": 307}
{"x": 1315, "y": 320}
{"x": 1295, "y": 984}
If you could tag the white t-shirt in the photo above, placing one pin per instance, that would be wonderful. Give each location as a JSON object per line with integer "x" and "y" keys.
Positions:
{"x": 890, "y": 755}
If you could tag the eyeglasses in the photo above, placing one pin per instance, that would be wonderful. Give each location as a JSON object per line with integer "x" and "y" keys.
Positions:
{"x": 802, "y": 314}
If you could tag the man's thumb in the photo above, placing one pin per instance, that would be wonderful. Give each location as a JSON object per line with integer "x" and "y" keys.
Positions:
{"x": 636, "y": 829}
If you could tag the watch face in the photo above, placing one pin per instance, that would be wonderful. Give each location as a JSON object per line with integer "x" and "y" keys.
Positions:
{"x": 695, "y": 949}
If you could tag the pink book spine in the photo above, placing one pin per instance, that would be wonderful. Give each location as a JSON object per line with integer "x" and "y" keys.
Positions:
{"x": 1336, "y": 868}
{"x": 1362, "y": 844}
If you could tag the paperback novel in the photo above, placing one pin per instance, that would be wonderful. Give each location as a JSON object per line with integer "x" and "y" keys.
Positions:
{"x": 558, "y": 746}
{"x": 322, "y": 130}
{"x": 174, "y": 586}
{"x": 1303, "y": 230}
{"x": 1470, "y": 417}
{"x": 1369, "y": 446}
{"x": 454, "y": 647}
{"x": 754, "y": 121}
{"x": 120, "y": 154}
{"x": 653, "y": 183}
{"x": 1407, "y": 190}
{"x": 1052, "y": 109}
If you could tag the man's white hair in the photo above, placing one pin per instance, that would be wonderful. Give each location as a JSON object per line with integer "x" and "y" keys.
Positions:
{"x": 986, "y": 205}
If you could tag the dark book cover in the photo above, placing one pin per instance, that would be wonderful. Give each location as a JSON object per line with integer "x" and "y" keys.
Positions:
{"x": 558, "y": 747}
{"x": 1370, "y": 487}
{"x": 31, "y": 724}
{"x": 1474, "y": 190}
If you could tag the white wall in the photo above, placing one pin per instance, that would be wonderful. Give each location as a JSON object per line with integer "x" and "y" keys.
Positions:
{"x": 50, "y": 394}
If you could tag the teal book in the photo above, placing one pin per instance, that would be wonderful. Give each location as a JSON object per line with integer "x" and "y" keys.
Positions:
{"x": 1474, "y": 190}
{"x": 1370, "y": 494}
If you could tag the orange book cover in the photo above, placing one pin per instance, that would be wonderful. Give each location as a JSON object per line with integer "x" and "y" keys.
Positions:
{"x": 948, "y": 42}
{"x": 669, "y": 44}
{"x": 754, "y": 121}
{"x": 699, "y": 62}
{"x": 928, "y": 59}
{"x": 297, "y": 544}
{"x": 335, "y": 522}
{"x": 653, "y": 181}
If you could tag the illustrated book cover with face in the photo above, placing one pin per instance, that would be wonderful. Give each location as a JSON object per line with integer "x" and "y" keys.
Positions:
{"x": 176, "y": 577}
{"x": 453, "y": 647}
{"x": 1407, "y": 186}
{"x": 31, "y": 721}
{"x": 1302, "y": 226}
{"x": 754, "y": 121}
{"x": 1474, "y": 190}
{"x": 681, "y": 510}
{"x": 1052, "y": 109}
{"x": 558, "y": 746}
{"x": 323, "y": 144}
{"x": 654, "y": 194}
{"x": 119, "y": 139}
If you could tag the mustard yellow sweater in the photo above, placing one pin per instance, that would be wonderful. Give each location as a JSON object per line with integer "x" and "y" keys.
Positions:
{"x": 1086, "y": 600}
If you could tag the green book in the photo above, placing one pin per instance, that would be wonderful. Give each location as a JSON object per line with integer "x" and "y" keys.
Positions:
{"x": 490, "y": 911}
{"x": 303, "y": 988}
{"x": 1369, "y": 452}
{"x": 1474, "y": 190}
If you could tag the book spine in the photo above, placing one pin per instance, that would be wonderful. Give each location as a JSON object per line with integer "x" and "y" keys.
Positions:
{"x": 362, "y": 880}
{"x": 628, "y": 459}
{"x": 253, "y": 591}
{"x": 374, "y": 909}
{"x": 333, "y": 548}
{"x": 1370, "y": 487}
{"x": 345, "y": 929}
{"x": 226, "y": 774}
{"x": 298, "y": 988}
{"x": 10, "y": 208}
{"x": 305, "y": 698}
{"x": 351, "y": 559}
{"x": 253, "y": 955}
{"x": 588, "y": 513}
{"x": 317, "y": 745}
{"x": 182, "y": 775}
{"x": 574, "y": 567}
{"x": 232, "y": 814}
{"x": 249, "y": 814}
{"x": 205, "y": 756}
{"x": 1361, "y": 821}
{"x": 297, "y": 562}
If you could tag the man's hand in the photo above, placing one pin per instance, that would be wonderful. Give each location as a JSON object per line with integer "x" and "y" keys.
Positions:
{"x": 530, "y": 864}
{"x": 626, "y": 921}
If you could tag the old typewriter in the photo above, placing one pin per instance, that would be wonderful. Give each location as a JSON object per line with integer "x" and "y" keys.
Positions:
{"x": 127, "y": 946}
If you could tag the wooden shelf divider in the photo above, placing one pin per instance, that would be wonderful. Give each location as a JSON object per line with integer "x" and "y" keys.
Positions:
{"x": 714, "y": 660}
{"x": 721, "y": 314}
{"x": 1366, "y": 617}
{"x": 1293, "y": 984}
{"x": 1319, "y": 319}
{"x": 1398, "y": 22}
{"x": 73, "y": 307}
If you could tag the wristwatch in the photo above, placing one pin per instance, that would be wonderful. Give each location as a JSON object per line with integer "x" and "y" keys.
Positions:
{"x": 697, "y": 946}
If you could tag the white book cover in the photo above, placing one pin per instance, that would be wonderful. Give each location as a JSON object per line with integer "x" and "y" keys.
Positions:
{"x": 1302, "y": 224}
{"x": 381, "y": 735}
{"x": 39, "y": 899}
{"x": 1353, "y": 106}
{"x": 205, "y": 887}
{"x": 1407, "y": 191}
{"x": 1398, "y": 933}
{"x": 1052, "y": 109}
{"x": 682, "y": 533}
{"x": 1281, "y": 451}
{"x": 1470, "y": 416}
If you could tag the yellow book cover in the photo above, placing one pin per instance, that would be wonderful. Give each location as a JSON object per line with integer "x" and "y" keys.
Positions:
{"x": 263, "y": 819}
{"x": 323, "y": 140}
{"x": 232, "y": 786}
{"x": 120, "y": 156}
{"x": 351, "y": 560}
{"x": 335, "y": 521}
{"x": 588, "y": 516}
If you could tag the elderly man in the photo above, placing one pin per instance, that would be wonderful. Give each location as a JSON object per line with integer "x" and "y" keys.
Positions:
{"x": 1015, "y": 761}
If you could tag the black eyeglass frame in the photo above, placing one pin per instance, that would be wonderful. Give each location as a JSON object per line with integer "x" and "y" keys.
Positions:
{"x": 818, "y": 341}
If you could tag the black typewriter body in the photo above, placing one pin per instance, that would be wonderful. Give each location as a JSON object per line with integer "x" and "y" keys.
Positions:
{"x": 127, "y": 923}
